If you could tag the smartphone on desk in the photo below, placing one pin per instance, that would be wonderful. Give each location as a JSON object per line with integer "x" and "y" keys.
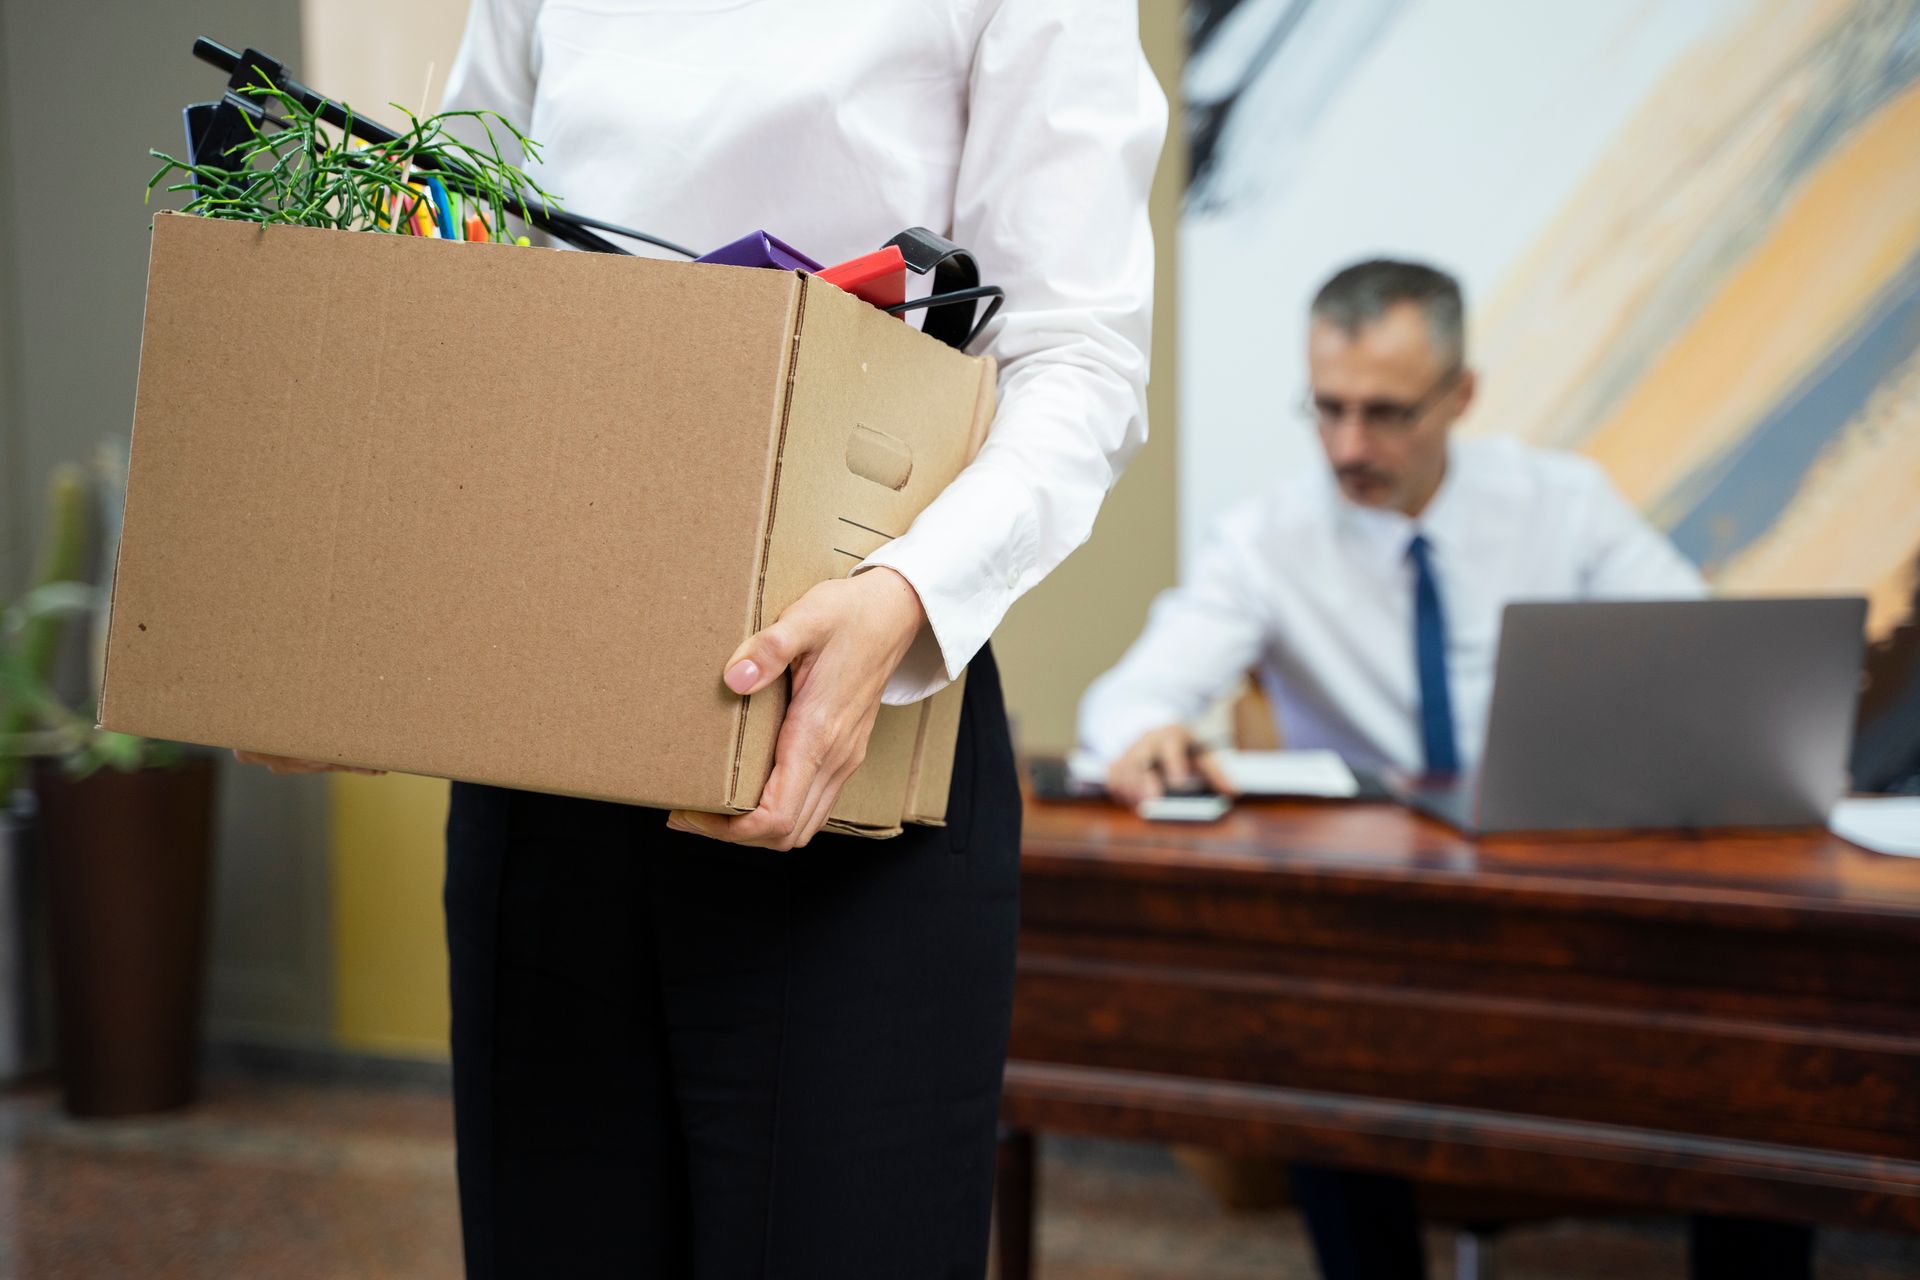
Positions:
{"x": 1183, "y": 806}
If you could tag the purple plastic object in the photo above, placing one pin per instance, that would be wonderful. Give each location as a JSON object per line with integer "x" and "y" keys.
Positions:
{"x": 758, "y": 249}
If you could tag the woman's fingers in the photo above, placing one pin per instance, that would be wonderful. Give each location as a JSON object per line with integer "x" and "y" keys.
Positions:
{"x": 779, "y": 822}
{"x": 841, "y": 640}
{"x": 790, "y": 797}
{"x": 827, "y": 793}
{"x": 806, "y": 756}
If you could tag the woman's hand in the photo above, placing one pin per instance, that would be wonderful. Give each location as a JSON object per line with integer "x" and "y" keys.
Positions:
{"x": 843, "y": 640}
{"x": 289, "y": 764}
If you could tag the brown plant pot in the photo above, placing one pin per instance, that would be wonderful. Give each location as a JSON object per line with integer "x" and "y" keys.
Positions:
{"x": 127, "y": 859}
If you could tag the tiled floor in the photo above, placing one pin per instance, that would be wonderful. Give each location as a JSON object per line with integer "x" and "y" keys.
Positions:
{"x": 258, "y": 1181}
{"x": 318, "y": 1182}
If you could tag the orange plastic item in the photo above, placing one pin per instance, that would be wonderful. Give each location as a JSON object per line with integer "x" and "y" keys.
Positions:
{"x": 476, "y": 228}
{"x": 879, "y": 277}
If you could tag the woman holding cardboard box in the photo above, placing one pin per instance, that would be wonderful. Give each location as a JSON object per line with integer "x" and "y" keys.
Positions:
{"x": 691, "y": 1044}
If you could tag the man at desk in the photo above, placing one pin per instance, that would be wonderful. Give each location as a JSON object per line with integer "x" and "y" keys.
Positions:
{"x": 1367, "y": 596}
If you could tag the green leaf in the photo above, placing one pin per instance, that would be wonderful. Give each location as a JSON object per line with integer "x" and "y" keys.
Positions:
{"x": 121, "y": 750}
{"x": 52, "y": 600}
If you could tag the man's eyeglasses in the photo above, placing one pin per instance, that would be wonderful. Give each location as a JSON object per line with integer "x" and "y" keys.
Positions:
{"x": 1328, "y": 412}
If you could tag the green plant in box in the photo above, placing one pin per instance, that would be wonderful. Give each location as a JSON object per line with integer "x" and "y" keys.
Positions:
{"x": 299, "y": 172}
{"x": 122, "y": 838}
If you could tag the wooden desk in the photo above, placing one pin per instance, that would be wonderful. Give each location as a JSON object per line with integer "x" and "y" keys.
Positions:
{"x": 1724, "y": 1022}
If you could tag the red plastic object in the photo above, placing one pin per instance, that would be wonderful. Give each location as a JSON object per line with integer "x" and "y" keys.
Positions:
{"x": 879, "y": 277}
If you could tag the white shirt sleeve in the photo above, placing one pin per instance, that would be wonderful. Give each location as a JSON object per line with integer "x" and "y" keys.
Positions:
{"x": 1625, "y": 557}
{"x": 1201, "y": 637}
{"x": 1065, "y": 123}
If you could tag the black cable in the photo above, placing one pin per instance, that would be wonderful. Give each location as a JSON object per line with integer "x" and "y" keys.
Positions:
{"x": 598, "y": 225}
{"x": 990, "y": 291}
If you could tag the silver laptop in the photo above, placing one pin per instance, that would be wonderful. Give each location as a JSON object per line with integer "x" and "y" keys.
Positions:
{"x": 1613, "y": 715}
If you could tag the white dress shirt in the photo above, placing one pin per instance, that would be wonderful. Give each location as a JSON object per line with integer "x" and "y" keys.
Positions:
{"x": 1317, "y": 593}
{"x": 1025, "y": 130}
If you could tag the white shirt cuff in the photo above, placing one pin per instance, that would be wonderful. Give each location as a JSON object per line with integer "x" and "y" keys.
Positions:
{"x": 967, "y": 574}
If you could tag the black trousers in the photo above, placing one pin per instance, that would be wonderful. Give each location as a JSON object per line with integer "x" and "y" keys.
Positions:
{"x": 1365, "y": 1226}
{"x": 679, "y": 1058}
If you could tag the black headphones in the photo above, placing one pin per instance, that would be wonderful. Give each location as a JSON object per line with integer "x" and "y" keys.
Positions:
{"x": 956, "y": 280}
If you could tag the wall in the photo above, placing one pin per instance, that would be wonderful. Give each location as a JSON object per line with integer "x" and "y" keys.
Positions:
{"x": 16, "y": 483}
{"x": 1690, "y": 236}
{"x": 85, "y": 90}
{"x": 1077, "y": 623}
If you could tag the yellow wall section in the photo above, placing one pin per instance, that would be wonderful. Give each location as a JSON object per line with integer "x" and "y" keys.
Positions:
{"x": 1059, "y": 638}
{"x": 389, "y": 940}
{"x": 387, "y": 849}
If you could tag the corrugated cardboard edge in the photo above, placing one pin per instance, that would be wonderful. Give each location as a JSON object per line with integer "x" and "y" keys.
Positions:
{"x": 984, "y": 407}
{"x": 796, "y": 314}
{"x": 106, "y": 683}
{"x": 927, "y": 788}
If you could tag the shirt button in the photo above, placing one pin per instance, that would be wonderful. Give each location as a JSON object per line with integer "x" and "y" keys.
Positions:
{"x": 1013, "y": 579}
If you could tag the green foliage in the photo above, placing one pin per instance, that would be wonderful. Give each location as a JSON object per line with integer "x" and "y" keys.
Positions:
{"x": 30, "y": 644}
{"x": 36, "y": 721}
{"x": 299, "y": 173}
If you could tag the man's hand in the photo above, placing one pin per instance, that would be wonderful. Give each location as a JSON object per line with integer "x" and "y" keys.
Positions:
{"x": 288, "y": 764}
{"x": 1163, "y": 758}
{"x": 843, "y": 640}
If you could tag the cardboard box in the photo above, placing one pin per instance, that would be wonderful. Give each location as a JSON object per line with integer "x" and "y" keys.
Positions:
{"x": 500, "y": 514}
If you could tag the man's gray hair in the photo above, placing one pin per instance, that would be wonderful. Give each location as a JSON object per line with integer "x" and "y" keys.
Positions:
{"x": 1360, "y": 294}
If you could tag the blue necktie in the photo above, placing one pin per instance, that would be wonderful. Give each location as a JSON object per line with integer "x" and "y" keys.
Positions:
{"x": 1430, "y": 655}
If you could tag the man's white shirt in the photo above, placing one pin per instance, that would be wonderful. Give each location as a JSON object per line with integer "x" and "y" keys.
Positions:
{"x": 1316, "y": 593}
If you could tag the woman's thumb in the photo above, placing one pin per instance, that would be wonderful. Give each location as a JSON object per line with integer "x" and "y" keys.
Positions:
{"x": 765, "y": 656}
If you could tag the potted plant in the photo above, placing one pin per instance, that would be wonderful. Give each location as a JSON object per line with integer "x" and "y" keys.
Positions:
{"x": 123, "y": 830}
{"x": 34, "y": 648}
